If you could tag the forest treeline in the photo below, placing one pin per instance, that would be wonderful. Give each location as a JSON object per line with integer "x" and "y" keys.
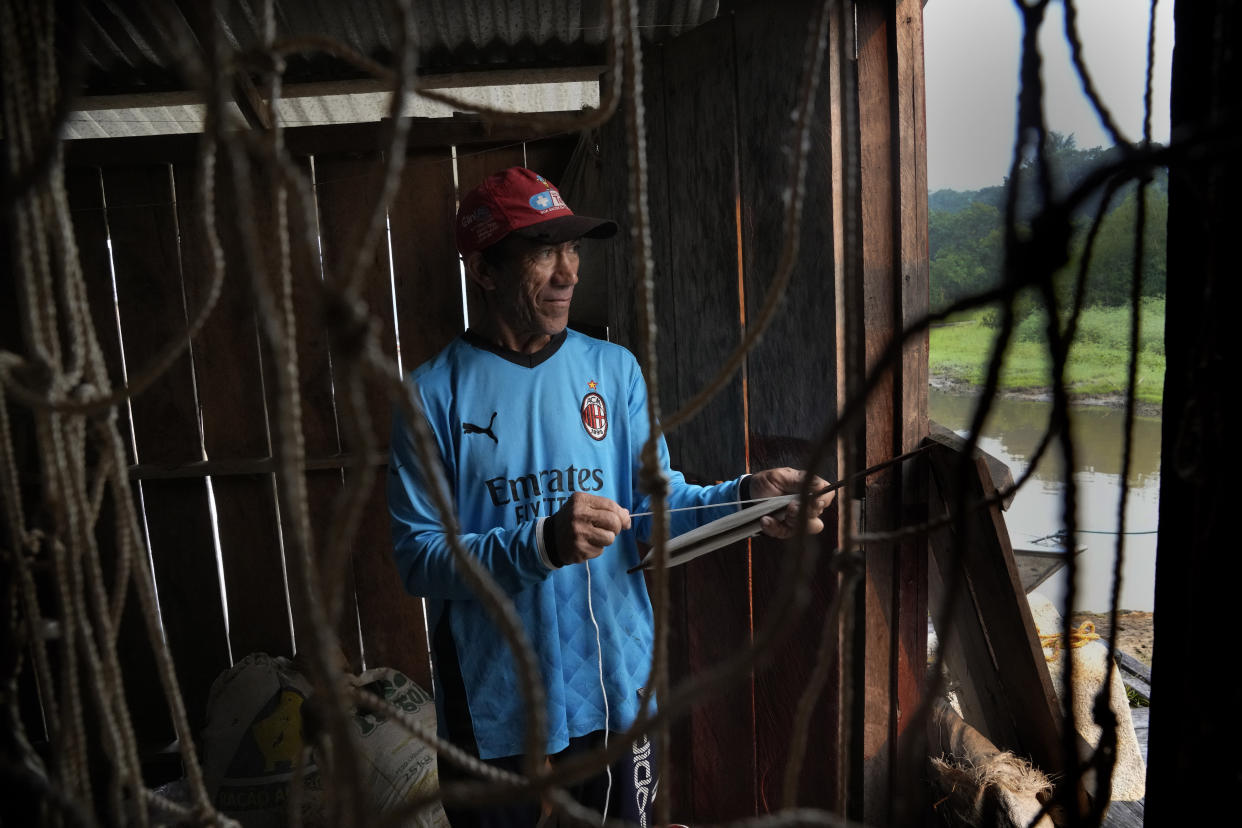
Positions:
{"x": 966, "y": 233}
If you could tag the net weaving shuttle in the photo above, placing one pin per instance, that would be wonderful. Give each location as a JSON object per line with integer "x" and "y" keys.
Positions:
{"x": 744, "y": 523}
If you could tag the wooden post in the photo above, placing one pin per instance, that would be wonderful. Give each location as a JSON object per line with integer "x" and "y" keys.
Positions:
{"x": 1196, "y": 573}
{"x": 894, "y": 287}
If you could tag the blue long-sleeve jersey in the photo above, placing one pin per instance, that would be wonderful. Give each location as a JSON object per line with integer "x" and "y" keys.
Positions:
{"x": 517, "y": 435}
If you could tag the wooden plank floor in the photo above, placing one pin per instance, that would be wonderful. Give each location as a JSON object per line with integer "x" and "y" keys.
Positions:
{"x": 1130, "y": 814}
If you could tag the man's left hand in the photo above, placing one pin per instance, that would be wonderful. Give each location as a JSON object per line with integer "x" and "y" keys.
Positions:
{"x": 776, "y": 482}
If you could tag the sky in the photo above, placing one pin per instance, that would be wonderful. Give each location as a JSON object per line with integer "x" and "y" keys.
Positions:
{"x": 972, "y": 49}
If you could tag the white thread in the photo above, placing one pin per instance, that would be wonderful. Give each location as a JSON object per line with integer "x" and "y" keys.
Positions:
{"x": 599, "y": 649}
{"x": 711, "y": 506}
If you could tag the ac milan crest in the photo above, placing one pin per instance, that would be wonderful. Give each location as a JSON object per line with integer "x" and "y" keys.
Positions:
{"x": 595, "y": 416}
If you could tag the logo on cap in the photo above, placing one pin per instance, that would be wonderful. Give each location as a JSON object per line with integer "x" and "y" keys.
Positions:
{"x": 548, "y": 200}
{"x": 595, "y": 416}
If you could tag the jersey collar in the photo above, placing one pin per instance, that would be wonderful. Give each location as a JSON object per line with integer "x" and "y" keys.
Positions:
{"x": 517, "y": 357}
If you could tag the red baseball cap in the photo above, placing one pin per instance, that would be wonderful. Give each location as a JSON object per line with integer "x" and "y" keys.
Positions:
{"x": 520, "y": 201}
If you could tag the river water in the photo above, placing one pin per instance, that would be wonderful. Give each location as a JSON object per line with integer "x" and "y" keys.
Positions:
{"x": 1011, "y": 434}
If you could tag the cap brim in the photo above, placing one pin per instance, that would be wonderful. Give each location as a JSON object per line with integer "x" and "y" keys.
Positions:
{"x": 568, "y": 228}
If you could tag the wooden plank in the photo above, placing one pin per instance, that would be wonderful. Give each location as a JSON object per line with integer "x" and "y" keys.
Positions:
{"x": 230, "y": 387}
{"x": 424, "y": 257}
{"x": 880, "y": 301}
{"x": 999, "y": 654}
{"x": 429, "y": 313}
{"x": 703, "y": 271}
{"x": 912, "y": 285}
{"x": 617, "y": 261}
{"x": 319, "y": 417}
{"x": 145, "y": 698}
{"x": 791, "y": 392}
{"x": 463, "y": 131}
{"x": 142, "y": 223}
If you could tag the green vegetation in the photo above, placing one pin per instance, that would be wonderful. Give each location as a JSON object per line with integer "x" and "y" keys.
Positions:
{"x": 967, "y": 248}
{"x": 1098, "y": 361}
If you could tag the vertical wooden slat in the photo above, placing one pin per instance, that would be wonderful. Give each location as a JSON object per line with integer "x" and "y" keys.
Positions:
{"x": 878, "y": 171}
{"x": 910, "y": 124}
{"x": 149, "y": 710}
{"x": 315, "y": 389}
{"x": 893, "y": 225}
{"x": 231, "y": 396}
{"x": 703, "y": 270}
{"x": 428, "y": 294}
{"x": 382, "y": 614}
{"x": 346, "y": 189}
{"x": 791, "y": 384}
{"x": 148, "y": 275}
{"x": 619, "y": 269}
{"x": 424, "y": 257}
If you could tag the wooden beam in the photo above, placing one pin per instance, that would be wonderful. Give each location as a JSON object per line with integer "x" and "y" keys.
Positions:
{"x": 253, "y": 106}
{"x": 424, "y": 133}
{"x": 363, "y": 86}
{"x": 992, "y": 646}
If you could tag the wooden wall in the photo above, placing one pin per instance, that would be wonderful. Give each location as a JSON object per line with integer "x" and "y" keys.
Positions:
{"x": 718, "y": 104}
{"x": 208, "y": 422}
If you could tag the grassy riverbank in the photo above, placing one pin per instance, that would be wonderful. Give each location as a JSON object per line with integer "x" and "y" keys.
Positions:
{"x": 1098, "y": 357}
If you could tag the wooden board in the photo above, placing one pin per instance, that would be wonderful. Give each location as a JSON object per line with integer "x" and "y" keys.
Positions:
{"x": 348, "y": 189}
{"x": 912, "y": 279}
{"x": 618, "y": 263}
{"x": 702, "y": 268}
{"x": 993, "y": 647}
{"x": 317, "y": 375}
{"x": 142, "y": 224}
{"x": 791, "y": 390}
{"x": 144, "y": 695}
{"x": 424, "y": 257}
{"x": 880, "y": 298}
{"x": 429, "y": 314}
{"x": 230, "y": 388}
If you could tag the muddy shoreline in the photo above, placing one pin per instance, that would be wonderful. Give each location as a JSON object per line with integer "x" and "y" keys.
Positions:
{"x": 951, "y": 385}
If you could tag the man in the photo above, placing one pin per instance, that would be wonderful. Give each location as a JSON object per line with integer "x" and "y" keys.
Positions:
{"x": 539, "y": 431}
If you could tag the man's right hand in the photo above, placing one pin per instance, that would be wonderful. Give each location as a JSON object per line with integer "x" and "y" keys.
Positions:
{"x": 585, "y": 525}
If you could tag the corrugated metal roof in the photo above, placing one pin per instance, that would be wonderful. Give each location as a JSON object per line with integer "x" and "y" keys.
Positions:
{"x": 128, "y": 48}
{"x": 133, "y": 85}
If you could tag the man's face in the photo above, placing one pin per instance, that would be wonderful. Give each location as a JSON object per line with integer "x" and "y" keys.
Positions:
{"x": 534, "y": 285}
